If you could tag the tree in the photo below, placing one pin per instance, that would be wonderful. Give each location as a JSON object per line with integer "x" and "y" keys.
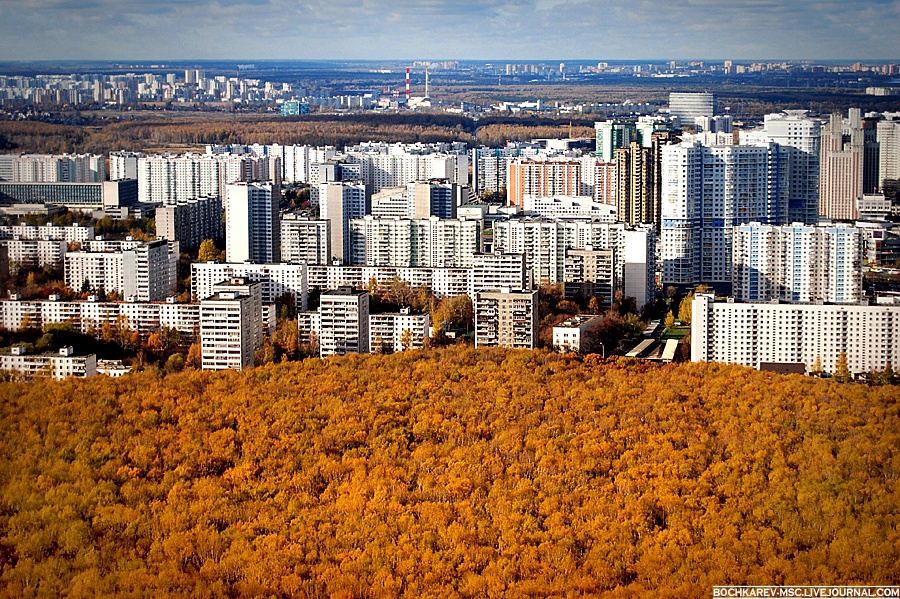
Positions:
{"x": 685, "y": 309}
{"x": 817, "y": 367}
{"x": 406, "y": 339}
{"x": 155, "y": 341}
{"x": 208, "y": 251}
{"x": 887, "y": 375}
{"x": 670, "y": 320}
{"x": 594, "y": 305}
{"x": 194, "y": 357}
{"x": 841, "y": 369}
{"x": 175, "y": 363}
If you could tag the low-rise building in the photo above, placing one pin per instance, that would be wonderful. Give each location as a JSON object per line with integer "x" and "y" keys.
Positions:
{"x": 578, "y": 334}
{"x": 57, "y": 366}
{"x": 398, "y": 331}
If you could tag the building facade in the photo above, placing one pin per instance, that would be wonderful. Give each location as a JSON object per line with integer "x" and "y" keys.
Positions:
{"x": 343, "y": 322}
{"x": 814, "y": 335}
{"x": 506, "y": 318}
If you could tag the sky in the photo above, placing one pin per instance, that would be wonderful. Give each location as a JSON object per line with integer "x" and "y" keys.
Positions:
{"x": 519, "y": 30}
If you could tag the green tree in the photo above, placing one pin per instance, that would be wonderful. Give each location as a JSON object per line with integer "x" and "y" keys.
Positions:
{"x": 175, "y": 363}
{"x": 887, "y": 375}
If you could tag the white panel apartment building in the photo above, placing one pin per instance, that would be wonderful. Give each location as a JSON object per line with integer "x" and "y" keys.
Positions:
{"x": 275, "y": 279}
{"x": 443, "y": 282}
{"x": 752, "y": 333}
{"x": 545, "y": 244}
{"x": 340, "y": 202}
{"x": 396, "y": 165}
{"x": 398, "y": 331}
{"x": 58, "y": 366}
{"x": 59, "y": 168}
{"x": 343, "y": 322}
{"x": 252, "y": 228}
{"x": 799, "y": 142}
{"x": 230, "y": 326}
{"x": 168, "y": 179}
{"x": 705, "y": 191}
{"x": 498, "y": 271}
{"x": 506, "y": 318}
{"x": 305, "y": 240}
{"x": 798, "y": 263}
{"x": 191, "y": 222}
{"x": 30, "y": 253}
{"x": 888, "y": 135}
{"x": 123, "y": 165}
{"x": 431, "y": 242}
{"x": 145, "y": 270}
{"x": 89, "y": 316}
{"x": 74, "y": 232}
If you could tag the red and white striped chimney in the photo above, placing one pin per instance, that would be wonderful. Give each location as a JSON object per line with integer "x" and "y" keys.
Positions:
{"x": 407, "y": 84}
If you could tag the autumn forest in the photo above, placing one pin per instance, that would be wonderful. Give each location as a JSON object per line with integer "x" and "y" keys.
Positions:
{"x": 448, "y": 472}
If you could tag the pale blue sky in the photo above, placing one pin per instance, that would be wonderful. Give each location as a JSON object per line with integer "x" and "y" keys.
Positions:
{"x": 434, "y": 29}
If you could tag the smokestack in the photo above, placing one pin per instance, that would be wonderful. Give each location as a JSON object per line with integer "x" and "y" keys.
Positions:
{"x": 407, "y": 84}
{"x": 426, "y": 83}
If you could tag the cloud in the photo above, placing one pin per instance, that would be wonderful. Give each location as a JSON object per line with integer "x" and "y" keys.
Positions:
{"x": 466, "y": 29}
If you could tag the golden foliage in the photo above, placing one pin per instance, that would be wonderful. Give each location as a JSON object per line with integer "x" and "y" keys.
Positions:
{"x": 446, "y": 473}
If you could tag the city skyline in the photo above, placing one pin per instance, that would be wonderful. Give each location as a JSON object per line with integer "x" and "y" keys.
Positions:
{"x": 495, "y": 29}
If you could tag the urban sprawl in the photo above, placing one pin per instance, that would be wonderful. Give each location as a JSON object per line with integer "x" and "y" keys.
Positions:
{"x": 772, "y": 226}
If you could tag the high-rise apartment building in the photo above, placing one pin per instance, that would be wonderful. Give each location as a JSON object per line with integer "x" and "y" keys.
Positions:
{"x": 190, "y": 222}
{"x": 343, "y": 322}
{"x": 639, "y": 265}
{"x": 59, "y": 168}
{"x": 612, "y": 135}
{"x": 123, "y": 165}
{"x": 842, "y": 166}
{"x": 797, "y": 263}
{"x": 231, "y": 325}
{"x": 706, "y": 190}
{"x": 496, "y": 271}
{"x": 799, "y": 141}
{"x": 339, "y": 203}
{"x": 435, "y": 242}
{"x": 888, "y": 137}
{"x": 143, "y": 270}
{"x": 542, "y": 178}
{"x": 506, "y": 318}
{"x": 305, "y": 240}
{"x": 252, "y": 228}
{"x": 591, "y": 273}
{"x": 635, "y": 197}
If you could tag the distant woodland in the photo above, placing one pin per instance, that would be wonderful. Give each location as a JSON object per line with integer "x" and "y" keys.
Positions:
{"x": 446, "y": 473}
{"x": 159, "y": 133}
